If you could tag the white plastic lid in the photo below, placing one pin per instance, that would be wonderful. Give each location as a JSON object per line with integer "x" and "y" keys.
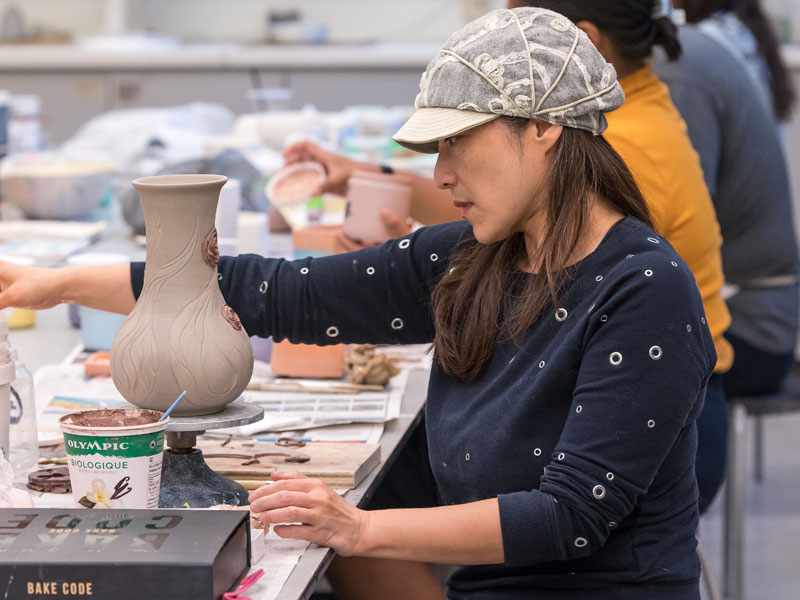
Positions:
{"x": 7, "y": 368}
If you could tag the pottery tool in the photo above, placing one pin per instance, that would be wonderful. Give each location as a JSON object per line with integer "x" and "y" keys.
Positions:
{"x": 312, "y": 386}
{"x": 174, "y": 404}
{"x": 339, "y": 464}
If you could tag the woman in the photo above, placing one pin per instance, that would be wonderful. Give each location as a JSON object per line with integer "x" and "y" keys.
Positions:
{"x": 571, "y": 348}
{"x": 649, "y": 134}
{"x": 743, "y": 28}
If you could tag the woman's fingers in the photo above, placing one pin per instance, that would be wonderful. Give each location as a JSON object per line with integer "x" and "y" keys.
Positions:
{"x": 280, "y": 499}
{"x": 395, "y": 226}
{"x": 289, "y": 514}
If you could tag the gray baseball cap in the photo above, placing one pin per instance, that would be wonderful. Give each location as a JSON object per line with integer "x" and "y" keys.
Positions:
{"x": 523, "y": 62}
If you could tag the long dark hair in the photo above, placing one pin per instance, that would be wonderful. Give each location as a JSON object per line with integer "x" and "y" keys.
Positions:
{"x": 629, "y": 23}
{"x": 751, "y": 14}
{"x": 482, "y": 299}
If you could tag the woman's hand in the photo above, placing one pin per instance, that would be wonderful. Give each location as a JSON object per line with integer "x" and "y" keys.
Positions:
{"x": 395, "y": 226}
{"x": 325, "y": 517}
{"x": 338, "y": 168}
{"x": 29, "y": 287}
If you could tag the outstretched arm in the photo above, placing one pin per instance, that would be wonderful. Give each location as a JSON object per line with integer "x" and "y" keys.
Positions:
{"x": 106, "y": 287}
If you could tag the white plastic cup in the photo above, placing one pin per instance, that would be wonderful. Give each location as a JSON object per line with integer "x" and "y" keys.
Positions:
{"x": 230, "y": 200}
{"x": 98, "y": 327}
{"x": 367, "y": 195}
{"x": 252, "y": 237}
{"x": 7, "y": 375}
{"x": 114, "y": 466}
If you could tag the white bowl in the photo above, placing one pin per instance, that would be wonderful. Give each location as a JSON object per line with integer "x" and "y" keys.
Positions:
{"x": 301, "y": 191}
{"x": 57, "y": 190}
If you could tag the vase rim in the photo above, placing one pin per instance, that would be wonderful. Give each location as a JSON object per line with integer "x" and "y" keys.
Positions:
{"x": 187, "y": 181}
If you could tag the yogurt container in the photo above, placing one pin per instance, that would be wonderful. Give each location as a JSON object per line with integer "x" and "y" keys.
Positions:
{"x": 114, "y": 456}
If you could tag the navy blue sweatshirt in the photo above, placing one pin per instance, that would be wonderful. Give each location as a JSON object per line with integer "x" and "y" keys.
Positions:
{"x": 584, "y": 429}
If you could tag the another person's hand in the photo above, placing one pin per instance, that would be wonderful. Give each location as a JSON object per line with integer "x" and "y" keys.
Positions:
{"x": 28, "y": 287}
{"x": 338, "y": 168}
{"x": 395, "y": 226}
{"x": 324, "y": 517}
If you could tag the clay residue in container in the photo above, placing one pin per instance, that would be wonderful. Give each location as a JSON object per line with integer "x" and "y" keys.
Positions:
{"x": 112, "y": 417}
{"x": 295, "y": 185}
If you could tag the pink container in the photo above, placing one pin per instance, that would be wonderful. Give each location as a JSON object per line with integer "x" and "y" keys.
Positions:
{"x": 367, "y": 194}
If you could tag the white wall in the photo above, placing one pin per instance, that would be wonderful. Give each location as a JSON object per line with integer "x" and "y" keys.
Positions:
{"x": 245, "y": 20}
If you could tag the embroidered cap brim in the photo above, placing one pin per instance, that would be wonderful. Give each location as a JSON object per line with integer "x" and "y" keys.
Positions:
{"x": 422, "y": 132}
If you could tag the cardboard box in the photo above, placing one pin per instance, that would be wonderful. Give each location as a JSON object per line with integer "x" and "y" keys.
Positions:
{"x": 121, "y": 554}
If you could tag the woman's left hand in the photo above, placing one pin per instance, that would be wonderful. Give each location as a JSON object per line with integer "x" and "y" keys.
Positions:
{"x": 324, "y": 517}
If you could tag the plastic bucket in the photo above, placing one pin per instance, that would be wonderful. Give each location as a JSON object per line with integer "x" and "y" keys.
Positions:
{"x": 114, "y": 456}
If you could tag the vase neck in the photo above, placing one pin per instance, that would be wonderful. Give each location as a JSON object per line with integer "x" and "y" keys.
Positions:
{"x": 177, "y": 223}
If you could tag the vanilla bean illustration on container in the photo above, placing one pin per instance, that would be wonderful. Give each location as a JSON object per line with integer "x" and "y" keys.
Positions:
{"x": 181, "y": 335}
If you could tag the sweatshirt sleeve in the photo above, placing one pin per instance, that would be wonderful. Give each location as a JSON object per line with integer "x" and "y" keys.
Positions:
{"x": 375, "y": 295}
{"x": 647, "y": 357}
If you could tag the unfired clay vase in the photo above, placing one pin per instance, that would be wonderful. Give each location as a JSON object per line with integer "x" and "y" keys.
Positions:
{"x": 181, "y": 335}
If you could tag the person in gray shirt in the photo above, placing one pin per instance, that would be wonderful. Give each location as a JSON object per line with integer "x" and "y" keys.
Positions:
{"x": 745, "y": 171}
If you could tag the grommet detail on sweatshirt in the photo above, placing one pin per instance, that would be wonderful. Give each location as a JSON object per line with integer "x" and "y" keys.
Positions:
{"x": 674, "y": 264}
{"x": 610, "y": 476}
{"x": 599, "y": 492}
{"x": 219, "y": 276}
{"x": 580, "y": 542}
{"x": 579, "y": 409}
{"x": 404, "y": 244}
{"x": 653, "y": 240}
{"x": 541, "y": 365}
{"x": 560, "y": 456}
{"x": 599, "y": 278}
{"x": 397, "y": 323}
{"x": 263, "y": 287}
{"x": 332, "y": 332}
{"x": 434, "y": 257}
{"x": 304, "y": 271}
{"x": 537, "y": 452}
{"x": 689, "y": 328}
{"x": 651, "y": 423}
{"x": 612, "y": 524}
{"x": 561, "y": 315}
{"x": 648, "y": 273}
{"x": 466, "y": 457}
{"x": 615, "y": 359}
{"x": 603, "y": 318}
{"x": 629, "y": 256}
{"x": 656, "y": 352}
{"x": 703, "y": 320}
{"x": 370, "y": 270}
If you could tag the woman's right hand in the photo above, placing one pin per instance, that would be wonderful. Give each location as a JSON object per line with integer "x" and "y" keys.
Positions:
{"x": 338, "y": 168}
{"x": 29, "y": 287}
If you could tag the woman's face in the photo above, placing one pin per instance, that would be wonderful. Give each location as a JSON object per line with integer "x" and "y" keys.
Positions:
{"x": 497, "y": 177}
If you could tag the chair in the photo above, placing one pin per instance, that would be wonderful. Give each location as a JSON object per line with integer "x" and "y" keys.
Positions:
{"x": 739, "y": 409}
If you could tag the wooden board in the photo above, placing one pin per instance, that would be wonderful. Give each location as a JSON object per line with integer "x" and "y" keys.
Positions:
{"x": 340, "y": 465}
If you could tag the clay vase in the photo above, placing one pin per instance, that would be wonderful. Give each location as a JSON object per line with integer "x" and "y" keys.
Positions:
{"x": 181, "y": 335}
